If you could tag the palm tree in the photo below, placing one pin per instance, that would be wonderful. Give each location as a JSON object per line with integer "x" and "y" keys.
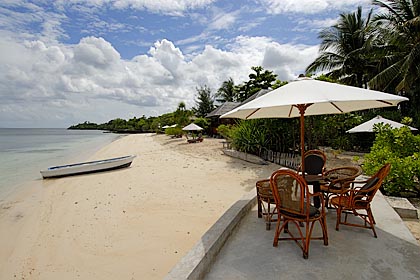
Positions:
{"x": 227, "y": 92}
{"x": 344, "y": 50}
{"x": 399, "y": 28}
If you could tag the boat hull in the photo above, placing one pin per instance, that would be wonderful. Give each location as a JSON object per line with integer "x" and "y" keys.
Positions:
{"x": 87, "y": 167}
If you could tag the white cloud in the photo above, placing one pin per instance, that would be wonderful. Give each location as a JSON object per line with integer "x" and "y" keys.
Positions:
{"x": 251, "y": 23}
{"x": 314, "y": 25}
{"x": 309, "y": 6}
{"x": 288, "y": 60}
{"x": 216, "y": 20}
{"x": 30, "y": 14}
{"x": 52, "y": 84}
{"x": 319, "y": 23}
{"x": 170, "y": 7}
{"x": 95, "y": 52}
{"x": 223, "y": 20}
{"x": 170, "y": 57}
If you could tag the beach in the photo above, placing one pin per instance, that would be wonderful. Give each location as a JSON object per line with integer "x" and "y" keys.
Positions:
{"x": 133, "y": 223}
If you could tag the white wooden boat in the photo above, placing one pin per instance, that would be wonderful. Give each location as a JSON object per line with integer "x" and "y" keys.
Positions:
{"x": 87, "y": 167}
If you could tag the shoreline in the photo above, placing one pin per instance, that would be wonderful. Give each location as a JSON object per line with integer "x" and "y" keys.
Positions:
{"x": 29, "y": 168}
{"x": 130, "y": 223}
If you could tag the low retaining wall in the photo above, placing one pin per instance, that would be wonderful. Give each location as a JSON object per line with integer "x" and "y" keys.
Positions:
{"x": 403, "y": 207}
{"x": 244, "y": 156}
{"x": 200, "y": 258}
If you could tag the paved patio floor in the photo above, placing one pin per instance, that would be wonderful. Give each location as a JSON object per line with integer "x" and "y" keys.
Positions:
{"x": 352, "y": 253}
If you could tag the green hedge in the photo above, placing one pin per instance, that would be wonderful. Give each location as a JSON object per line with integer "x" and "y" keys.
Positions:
{"x": 402, "y": 149}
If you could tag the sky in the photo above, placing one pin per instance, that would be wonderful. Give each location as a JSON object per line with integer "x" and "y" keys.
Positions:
{"x": 64, "y": 62}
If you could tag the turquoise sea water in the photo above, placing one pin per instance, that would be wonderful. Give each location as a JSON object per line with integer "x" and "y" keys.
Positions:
{"x": 25, "y": 151}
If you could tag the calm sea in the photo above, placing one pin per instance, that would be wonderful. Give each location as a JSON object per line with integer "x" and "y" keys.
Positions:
{"x": 25, "y": 151}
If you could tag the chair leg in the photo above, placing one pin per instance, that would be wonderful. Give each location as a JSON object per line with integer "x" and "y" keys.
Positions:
{"x": 277, "y": 234}
{"x": 268, "y": 218}
{"x": 338, "y": 218}
{"x": 328, "y": 196}
{"x": 326, "y": 199}
{"x": 307, "y": 241}
{"x": 371, "y": 221}
{"x": 323, "y": 223}
{"x": 259, "y": 207}
{"x": 372, "y": 218}
{"x": 309, "y": 229}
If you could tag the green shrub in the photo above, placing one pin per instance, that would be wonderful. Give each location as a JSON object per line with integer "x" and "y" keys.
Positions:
{"x": 173, "y": 131}
{"x": 249, "y": 136}
{"x": 225, "y": 131}
{"x": 401, "y": 149}
{"x": 202, "y": 122}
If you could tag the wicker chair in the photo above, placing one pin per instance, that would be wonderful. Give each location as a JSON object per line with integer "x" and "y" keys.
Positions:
{"x": 292, "y": 198}
{"x": 315, "y": 161}
{"x": 266, "y": 203}
{"x": 358, "y": 198}
{"x": 337, "y": 179}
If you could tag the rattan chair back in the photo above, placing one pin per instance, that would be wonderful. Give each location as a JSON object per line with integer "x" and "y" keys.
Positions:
{"x": 290, "y": 192}
{"x": 292, "y": 198}
{"x": 265, "y": 203}
{"x": 315, "y": 161}
{"x": 358, "y": 198}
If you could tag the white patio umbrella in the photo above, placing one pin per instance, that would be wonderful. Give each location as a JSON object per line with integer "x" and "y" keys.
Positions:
{"x": 165, "y": 126}
{"x": 312, "y": 97}
{"x": 368, "y": 126}
{"x": 192, "y": 126}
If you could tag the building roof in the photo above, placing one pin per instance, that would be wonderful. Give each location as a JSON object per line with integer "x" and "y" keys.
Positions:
{"x": 259, "y": 93}
{"x": 222, "y": 109}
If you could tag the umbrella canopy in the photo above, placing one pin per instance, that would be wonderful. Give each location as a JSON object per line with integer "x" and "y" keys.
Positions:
{"x": 192, "y": 126}
{"x": 368, "y": 126}
{"x": 311, "y": 97}
{"x": 168, "y": 126}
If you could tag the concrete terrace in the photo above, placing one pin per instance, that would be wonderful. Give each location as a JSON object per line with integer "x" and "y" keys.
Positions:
{"x": 239, "y": 247}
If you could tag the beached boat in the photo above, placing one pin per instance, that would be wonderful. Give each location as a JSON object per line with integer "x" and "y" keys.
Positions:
{"x": 87, "y": 167}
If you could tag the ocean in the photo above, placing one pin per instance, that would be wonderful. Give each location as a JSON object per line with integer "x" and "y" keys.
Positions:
{"x": 26, "y": 151}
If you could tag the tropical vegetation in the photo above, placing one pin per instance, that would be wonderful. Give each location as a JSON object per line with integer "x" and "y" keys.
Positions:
{"x": 380, "y": 51}
{"x": 204, "y": 102}
{"x": 402, "y": 149}
{"x": 365, "y": 49}
{"x": 342, "y": 50}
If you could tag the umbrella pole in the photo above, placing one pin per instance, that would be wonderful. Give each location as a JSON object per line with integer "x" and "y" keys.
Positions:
{"x": 302, "y": 109}
{"x": 302, "y": 142}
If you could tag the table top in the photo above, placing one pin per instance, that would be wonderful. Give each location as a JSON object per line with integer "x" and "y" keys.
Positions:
{"x": 310, "y": 178}
{"x": 315, "y": 178}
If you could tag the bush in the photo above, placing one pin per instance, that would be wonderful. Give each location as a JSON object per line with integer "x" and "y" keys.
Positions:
{"x": 225, "y": 131}
{"x": 401, "y": 149}
{"x": 249, "y": 136}
{"x": 202, "y": 122}
{"x": 173, "y": 131}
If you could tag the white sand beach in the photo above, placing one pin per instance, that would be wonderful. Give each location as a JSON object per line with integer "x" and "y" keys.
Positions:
{"x": 133, "y": 223}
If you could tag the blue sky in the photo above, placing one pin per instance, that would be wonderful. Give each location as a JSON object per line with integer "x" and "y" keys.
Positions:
{"x": 67, "y": 61}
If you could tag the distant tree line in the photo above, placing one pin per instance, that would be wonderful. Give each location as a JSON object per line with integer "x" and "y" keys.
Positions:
{"x": 205, "y": 102}
{"x": 133, "y": 125}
